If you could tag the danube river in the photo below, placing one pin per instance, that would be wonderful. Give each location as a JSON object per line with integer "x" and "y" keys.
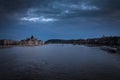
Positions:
{"x": 58, "y": 62}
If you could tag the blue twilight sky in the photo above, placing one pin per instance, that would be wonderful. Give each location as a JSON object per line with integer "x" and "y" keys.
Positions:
{"x": 59, "y": 19}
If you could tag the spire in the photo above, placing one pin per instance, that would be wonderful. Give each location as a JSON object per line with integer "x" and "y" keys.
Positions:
{"x": 32, "y": 37}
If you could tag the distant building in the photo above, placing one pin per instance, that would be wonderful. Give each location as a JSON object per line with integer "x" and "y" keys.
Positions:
{"x": 31, "y": 42}
{"x": 8, "y": 42}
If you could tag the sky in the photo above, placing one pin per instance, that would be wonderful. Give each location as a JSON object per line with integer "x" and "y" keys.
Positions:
{"x": 59, "y": 19}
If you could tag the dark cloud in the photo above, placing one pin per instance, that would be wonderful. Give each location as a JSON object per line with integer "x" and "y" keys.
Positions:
{"x": 71, "y": 16}
{"x": 11, "y": 10}
{"x": 15, "y": 8}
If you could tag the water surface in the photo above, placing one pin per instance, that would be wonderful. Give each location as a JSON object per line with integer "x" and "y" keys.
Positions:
{"x": 58, "y": 62}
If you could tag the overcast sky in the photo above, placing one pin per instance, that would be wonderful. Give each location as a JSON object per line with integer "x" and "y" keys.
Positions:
{"x": 62, "y": 19}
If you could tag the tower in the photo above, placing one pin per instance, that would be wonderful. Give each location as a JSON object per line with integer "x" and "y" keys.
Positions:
{"x": 32, "y": 37}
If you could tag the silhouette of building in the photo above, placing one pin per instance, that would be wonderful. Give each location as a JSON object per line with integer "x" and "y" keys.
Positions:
{"x": 8, "y": 42}
{"x": 31, "y": 42}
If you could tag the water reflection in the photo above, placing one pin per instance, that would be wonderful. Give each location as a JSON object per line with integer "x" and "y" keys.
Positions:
{"x": 58, "y": 62}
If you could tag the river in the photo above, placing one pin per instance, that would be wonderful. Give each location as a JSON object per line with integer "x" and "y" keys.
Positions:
{"x": 58, "y": 62}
